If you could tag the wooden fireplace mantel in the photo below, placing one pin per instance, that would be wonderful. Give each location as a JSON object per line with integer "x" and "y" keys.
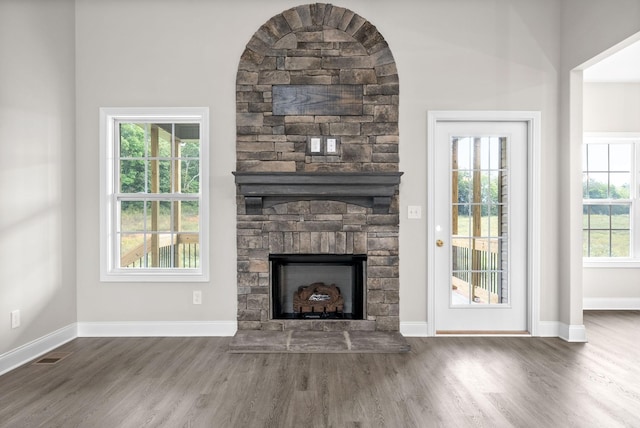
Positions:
{"x": 266, "y": 189}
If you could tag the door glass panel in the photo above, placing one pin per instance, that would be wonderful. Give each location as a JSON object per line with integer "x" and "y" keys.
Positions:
{"x": 479, "y": 221}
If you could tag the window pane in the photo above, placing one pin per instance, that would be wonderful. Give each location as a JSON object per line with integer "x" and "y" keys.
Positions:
{"x": 187, "y": 131}
{"x": 190, "y": 149}
{"x": 164, "y": 216}
{"x": 165, "y": 139}
{"x": 620, "y": 157}
{"x": 465, "y": 156}
{"x": 620, "y": 217}
{"x": 189, "y": 175}
{"x": 599, "y": 217}
{"x": 133, "y": 250}
{"x": 599, "y": 243}
{"x": 464, "y": 221}
{"x": 188, "y": 251}
{"x": 132, "y": 173}
{"x": 132, "y": 216}
{"x": 490, "y": 226}
{"x": 619, "y": 185}
{"x": 598, "y": 185}
{"x": 163, "y": 251}
{"x": 465, "y": 188}
{"x": 620, "y": 243}
{"x": 132, "y": 140}
{"x": 598, "y": 157}
{"x": 485, "y": 145}
{"x": 490, "y": 188}
{"x": 159, "y": 179}
{"x": 190, "y": 216}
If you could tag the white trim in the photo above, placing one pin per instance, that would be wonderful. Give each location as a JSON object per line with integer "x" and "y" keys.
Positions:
{"x": 607, "y": 136}
{"x": 569, "y": 333}
{"x": 157, "y": 329}
{"x": 611, "y": 303}
{"x": 533, "y": 119}
{"x": 610, "y": 263}
{"x": 29, "y": 351}
{"x": 548, "y": 329}
{"x": 108, "y": 117}
{"x": 414, "y": 329}
{"x": 573, "y": 333}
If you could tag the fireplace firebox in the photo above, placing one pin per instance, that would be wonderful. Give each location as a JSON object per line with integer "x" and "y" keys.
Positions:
{"x": 318, "y": 286}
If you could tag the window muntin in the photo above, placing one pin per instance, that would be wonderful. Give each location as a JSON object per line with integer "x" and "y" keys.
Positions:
{"x": 609, "y": 201}
{"x": 154, "y": 209}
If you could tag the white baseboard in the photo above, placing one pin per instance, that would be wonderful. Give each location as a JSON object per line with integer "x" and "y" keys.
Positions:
{"x": 157, "y": 329}
{"x": 548, "y": 329}
{"x": 29, "y": 351}
{"x": 572, "y": 333}
{"x": 611, "y": 303}
{"x": 414, "y": 329}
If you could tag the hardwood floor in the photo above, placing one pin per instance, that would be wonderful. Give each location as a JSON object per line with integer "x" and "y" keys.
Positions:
{"x": 443, "y": 381}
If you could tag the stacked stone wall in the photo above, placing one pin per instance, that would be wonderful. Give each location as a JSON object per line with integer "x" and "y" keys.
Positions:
{"x": 317, "y": 44}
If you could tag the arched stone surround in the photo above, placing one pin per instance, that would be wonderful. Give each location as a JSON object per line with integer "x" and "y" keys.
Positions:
{"x": 312, "y": 45}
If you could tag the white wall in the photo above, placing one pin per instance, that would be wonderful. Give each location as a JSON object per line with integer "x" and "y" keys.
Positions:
{"x": 589, "y": 27}
{"x": 37, "y": 180}
{"x": 611, "y": 107}
{"x": 464, "y": 55}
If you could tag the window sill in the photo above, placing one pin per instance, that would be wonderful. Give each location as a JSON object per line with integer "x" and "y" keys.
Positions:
{"x": 163, "y": 277}
{"x": 611, "y": 263}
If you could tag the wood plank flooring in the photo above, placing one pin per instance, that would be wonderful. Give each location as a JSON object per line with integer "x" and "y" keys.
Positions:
{"x": 443, "y": 381}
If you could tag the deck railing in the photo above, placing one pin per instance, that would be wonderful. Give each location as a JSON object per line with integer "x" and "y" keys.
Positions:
{"x": 476, "y": 261}
{"x": 182, "y": 251}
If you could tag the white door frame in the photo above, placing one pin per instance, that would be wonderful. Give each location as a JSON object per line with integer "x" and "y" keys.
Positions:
{"x": 532, "y": 118}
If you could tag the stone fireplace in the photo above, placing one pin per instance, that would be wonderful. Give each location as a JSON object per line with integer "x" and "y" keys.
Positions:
{"x": 317, "y": 166}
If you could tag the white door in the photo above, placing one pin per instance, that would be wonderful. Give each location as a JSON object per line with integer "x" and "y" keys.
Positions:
{"x": 480, "y": 217}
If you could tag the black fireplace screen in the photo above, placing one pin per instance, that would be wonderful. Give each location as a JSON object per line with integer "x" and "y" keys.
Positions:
{"x": 317, "y": 286}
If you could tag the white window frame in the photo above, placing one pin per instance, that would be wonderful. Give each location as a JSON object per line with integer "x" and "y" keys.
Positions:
{"x": 634, "y": 192}
{"x": 109, "y": 265}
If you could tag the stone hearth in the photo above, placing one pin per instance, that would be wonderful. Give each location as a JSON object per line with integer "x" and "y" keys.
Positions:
{"x": 333, "y": 342}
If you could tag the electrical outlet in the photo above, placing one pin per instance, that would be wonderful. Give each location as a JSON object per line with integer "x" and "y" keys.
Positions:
{"x": 332, "y": 146}
{"x": 414, "y": 211}
{"x": 15, "y": 319}
{"x": 197, "y": 297}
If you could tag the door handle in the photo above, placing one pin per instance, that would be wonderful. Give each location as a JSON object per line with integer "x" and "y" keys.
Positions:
{"x": 439, "y": 243}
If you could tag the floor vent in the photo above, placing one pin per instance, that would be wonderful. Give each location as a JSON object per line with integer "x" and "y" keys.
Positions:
{"x": 52, "y": 358}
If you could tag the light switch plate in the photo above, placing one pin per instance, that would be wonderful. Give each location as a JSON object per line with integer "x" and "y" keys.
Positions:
{"x": 316, "y": 145}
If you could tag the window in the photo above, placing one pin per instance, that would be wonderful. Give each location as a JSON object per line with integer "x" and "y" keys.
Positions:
{"x": 610, "y": 203}
{"x": 154, "y": 211}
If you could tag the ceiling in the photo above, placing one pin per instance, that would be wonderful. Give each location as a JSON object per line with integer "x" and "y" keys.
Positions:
{"x": 622, "y": 66}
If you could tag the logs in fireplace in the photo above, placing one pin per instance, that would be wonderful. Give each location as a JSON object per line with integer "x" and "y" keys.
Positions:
{"x": 318, "y": 300}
